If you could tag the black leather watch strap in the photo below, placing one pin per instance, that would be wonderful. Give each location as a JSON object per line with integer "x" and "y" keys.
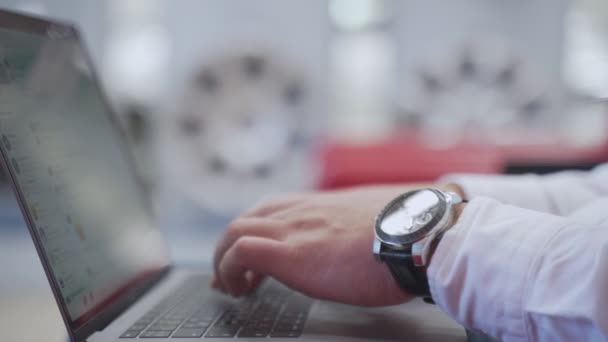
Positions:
{"x": 412, "y": 279}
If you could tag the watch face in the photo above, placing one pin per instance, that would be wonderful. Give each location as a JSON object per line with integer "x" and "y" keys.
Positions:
{"x": 411, "y": 215}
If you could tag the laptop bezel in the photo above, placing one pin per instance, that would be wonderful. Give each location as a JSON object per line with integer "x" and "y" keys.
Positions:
{"x": 27, "y": 23}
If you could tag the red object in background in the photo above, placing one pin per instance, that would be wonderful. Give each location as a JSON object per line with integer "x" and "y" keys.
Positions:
{"x": 404, "y": 159}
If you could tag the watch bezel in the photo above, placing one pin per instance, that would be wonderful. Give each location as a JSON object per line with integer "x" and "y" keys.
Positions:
{"x": 401, "y": 241}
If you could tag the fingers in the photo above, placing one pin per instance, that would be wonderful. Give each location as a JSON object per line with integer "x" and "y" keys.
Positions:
{"x": 256, "y": 227}
{"x": 248, "y": 260}
{"x": 254, "y": 280}
{"x": 258, "y": 222}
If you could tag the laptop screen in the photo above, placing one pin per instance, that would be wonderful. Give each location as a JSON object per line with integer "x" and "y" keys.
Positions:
{"x": 73, "y": 175}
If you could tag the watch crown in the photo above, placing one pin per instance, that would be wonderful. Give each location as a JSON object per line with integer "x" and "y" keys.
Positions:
{"x": 376, "y": 249}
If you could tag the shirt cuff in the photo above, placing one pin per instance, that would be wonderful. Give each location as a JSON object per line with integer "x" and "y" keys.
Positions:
{"x": 524, "y": 191}
{"x": 479, "y": 270}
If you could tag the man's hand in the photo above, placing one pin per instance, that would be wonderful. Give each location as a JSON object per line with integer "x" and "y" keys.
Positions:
{"x": 319, "y": 244}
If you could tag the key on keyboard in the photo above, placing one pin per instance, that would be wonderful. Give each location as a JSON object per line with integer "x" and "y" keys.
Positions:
{"x": 274, "y": 311}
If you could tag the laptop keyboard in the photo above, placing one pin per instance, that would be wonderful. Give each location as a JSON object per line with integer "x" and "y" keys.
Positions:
{"x": 273, "y": 311}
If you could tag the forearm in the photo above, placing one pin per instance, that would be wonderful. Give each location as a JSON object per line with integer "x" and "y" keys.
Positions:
{"x": 522, "y": 275}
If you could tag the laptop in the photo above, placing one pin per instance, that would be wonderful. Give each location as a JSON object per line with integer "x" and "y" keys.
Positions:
{"x": 105, "y": 258}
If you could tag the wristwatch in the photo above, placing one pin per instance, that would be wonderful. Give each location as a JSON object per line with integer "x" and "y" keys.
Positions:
{"x": 407, "y": 231}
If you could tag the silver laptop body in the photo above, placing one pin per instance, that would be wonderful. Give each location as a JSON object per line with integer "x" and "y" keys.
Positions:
{"x": 89, "y": 218}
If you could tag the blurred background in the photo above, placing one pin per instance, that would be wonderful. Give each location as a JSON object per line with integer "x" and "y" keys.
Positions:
{"x": 227, "y": 102}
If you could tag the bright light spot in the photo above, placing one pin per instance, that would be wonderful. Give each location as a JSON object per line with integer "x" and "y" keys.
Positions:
{"x": 354, "y": 15}
{"x": 586, "y": 60}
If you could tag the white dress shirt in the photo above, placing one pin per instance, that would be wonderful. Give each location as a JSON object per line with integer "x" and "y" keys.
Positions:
{"x": 528, "y": 258}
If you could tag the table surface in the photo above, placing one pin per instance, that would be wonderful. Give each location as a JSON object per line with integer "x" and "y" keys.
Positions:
{"x": 28, "y": 311}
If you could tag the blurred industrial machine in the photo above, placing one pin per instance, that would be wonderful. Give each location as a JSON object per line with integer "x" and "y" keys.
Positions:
{"x": 241, "y": 131}
{"x": 486, "y": 71}
{"x": 481, "y": 90}
{"x": 227, "y": 109}
{"x": 476, "y": 86}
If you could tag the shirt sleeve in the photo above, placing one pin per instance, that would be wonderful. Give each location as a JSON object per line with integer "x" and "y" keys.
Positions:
{"x": 524, "y": 275}
{"x": 559, "y": 193}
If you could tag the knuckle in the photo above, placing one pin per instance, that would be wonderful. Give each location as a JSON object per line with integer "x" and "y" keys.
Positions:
{"x": 298, "y": 223}
{"x": 292, "y": 251}
{"x": 236, "y": 228}
{"x": 242, "y": 247}
{"x": 232, "y": 227}
{"x": 261, "y": 209}
{"x": 306, "y": 223}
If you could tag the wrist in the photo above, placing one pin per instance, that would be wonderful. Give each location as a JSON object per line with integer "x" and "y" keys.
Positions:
{"x": 453, "y": 187}
{"x": 457, "y": 210}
